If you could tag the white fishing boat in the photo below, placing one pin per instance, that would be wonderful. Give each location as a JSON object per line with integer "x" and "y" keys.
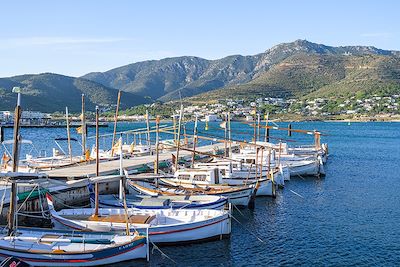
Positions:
{"x": 47, "y": 247}
{"x": 160, "y": 202}
{"x": 237, "y": 195}
{"x": 235, "y": 173}
{"x": 295, "y": 164}
{"x": 164, "y": 225}
{"x": 211, "y": 176}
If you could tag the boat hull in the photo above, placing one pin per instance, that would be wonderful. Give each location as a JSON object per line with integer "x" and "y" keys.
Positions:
{"x": 32, "y": 252}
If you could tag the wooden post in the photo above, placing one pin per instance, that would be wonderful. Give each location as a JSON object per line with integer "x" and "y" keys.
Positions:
{"x": 68, "y": 134}
{"x": 194, "y": 141}
{"x": 289, "y": 133}
{"x": 83, "y": 129}
{"x": 148, "y": 130}
{"x": 115, "y": 123}
{"x": 156, "y": 164}
{"x": 15, "y": 156}
{"x": 179, "y": 138}
{"x": 96, "y": 185}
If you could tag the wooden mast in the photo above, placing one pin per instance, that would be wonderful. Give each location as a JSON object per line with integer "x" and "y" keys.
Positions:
{"x": 156, "y": 164}
{"x": 266, "y": 133}
{"x": 15, "y": 156}
{"x": 148, "y": 130}
{"x": 83, "y": 129}
{"x": 68, "y": 134}
{"x": 179, "y": 138}
{"x": 115, "y": 123}
{"x": 96, "y": 185}
{"x": 229, "y": 134}
{"x": 255, "y": 124}
{"x": 258, "y": 126}
{"x": 194, "y": 141}
{"x": 225, "y": 123}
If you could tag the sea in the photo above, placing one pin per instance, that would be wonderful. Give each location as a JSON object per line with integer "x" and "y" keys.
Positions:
{"x": 350, "y": 217}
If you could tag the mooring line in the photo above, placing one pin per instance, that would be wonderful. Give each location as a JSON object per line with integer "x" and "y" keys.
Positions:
{"x": 162, "y": 253}
{"x": 297, "y": 194}
{"x": 253, "y": 234}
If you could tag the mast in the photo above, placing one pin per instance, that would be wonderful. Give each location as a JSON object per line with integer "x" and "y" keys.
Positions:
{"x": 258, "y": 126}
{"x": 255, "y": 124}
{"x": 194, "y": 140}
{"x": 179, "y": 138}
{"x": 148, "y": 130}
{"x": 115, "y": 123}
{"x": 68, "y": 134}
{"x": 229, "y": 134}
{"x": 266, "y": 136}
{"x": 96, "y": 186}
{"x": 157, "y": 145}
{"x": 225, "y": 134}
{"x": 15, "y": 156}
{"x": 83, "y": 129}
{"x": 121, "y": 171}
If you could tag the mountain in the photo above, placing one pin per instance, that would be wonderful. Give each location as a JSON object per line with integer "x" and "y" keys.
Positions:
{"x": 49, "y": 92}
{"x": 295, "y": 68}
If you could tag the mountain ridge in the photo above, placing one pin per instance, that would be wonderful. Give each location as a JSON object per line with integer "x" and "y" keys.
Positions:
{"x": 294, "y": 69}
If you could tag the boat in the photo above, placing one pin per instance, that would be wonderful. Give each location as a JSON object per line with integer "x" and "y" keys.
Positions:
{"x": 211, "y": 177}
{"x": 47, "y": 247}
{"x": 165, "y": 226}
{"x": 160, "y": 202}
{"x": 237, "y": 195}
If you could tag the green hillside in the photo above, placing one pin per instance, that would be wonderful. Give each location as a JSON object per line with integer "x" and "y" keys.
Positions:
{"x": 52, "y": 92}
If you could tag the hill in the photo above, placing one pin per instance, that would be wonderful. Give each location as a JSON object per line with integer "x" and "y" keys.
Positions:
{"x": 49, "y": 92}
{"x": 295, "y": 68}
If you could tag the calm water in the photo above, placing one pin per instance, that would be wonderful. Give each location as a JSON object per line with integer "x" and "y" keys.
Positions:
{"x": 350, "y": 217}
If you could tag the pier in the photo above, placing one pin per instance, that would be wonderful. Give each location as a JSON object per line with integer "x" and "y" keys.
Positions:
{"x": 112, "y": 167}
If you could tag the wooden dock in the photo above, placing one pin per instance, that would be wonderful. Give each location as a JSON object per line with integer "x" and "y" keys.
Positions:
{"x": 112, "y": 167}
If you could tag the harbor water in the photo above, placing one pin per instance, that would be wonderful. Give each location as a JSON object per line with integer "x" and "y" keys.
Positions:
{"x": 349, "y": 217}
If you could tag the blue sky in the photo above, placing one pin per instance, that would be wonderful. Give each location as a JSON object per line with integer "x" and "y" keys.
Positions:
{"x": 76, "y": 37}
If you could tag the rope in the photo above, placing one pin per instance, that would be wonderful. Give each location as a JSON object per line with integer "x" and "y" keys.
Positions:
{"x": 297, "y": 194}
{"x": 241, "y": 213}
{"x": 26, "y": 199}
{"x": 162, "y": 253}
{"x": 259, "y": 239}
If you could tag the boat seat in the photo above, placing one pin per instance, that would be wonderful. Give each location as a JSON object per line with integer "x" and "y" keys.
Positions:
{"x": 154, "y": 202}
{"x": 49, "y": 236}
{"x": 120, "y": 218}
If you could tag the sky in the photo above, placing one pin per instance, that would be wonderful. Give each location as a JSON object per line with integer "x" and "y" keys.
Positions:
{"x": 75, "y": 37}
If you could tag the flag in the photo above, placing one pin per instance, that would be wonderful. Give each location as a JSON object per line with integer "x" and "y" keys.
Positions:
{"x": 81, "y": 116}
{"x": 222, "y": 125}
{"x": 79, "y": 130}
